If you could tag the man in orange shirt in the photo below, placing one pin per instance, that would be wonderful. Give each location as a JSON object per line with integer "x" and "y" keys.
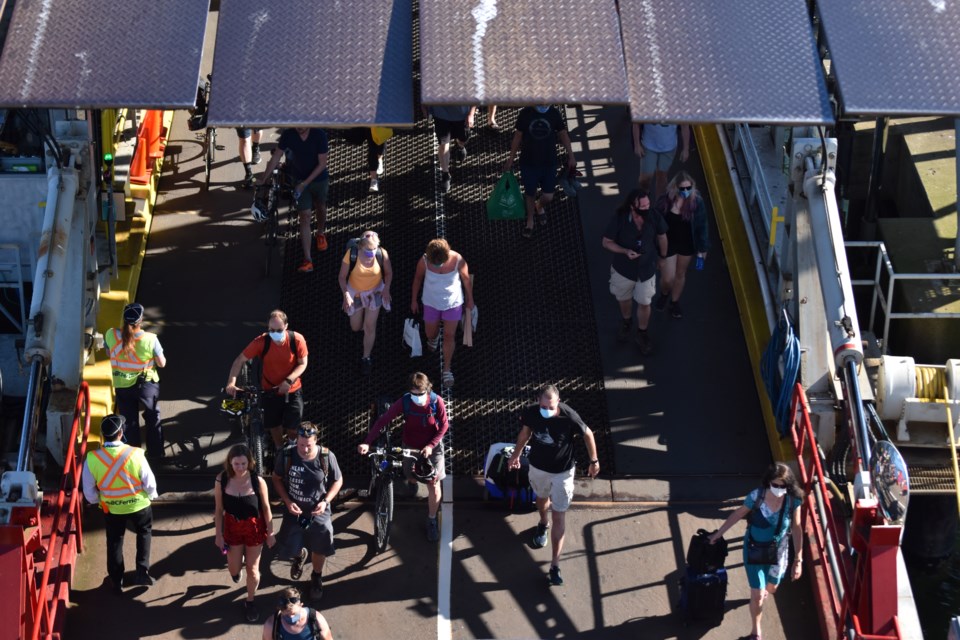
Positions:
{"x": 284, "y": 359}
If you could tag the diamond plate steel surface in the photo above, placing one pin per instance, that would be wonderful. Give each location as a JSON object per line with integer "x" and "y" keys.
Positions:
{"x": 550, "y": 335}
{"x": 719, "y": 61}
{"x": 82, "y": 54}
{"x": 308, "y": 63}
{"x": 484, "y": 51}
{"x": 893, "y": 57}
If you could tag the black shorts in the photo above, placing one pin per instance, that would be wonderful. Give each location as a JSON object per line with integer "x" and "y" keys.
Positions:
{"x": 246, "y": 133}
{"x": 283, "y": 410}
{"x": 456, "y": 129}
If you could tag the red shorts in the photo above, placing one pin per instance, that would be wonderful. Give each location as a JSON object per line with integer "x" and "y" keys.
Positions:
{"x": 249, "y": 532}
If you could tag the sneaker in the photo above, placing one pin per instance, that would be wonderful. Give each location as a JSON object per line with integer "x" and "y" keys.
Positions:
{"x": 296, "y": 567}
{"x": 447, "y": 378}
{"x": 644, "y": 342}
{"x": 366, "y": 366}
{"x": 433, "y": 530}
{"x": 433, "y": 343}
{"x": 623, "y": 334}
{"x": 250, "y": 611}
{"x": 305, "y": 267}
{"x": 675, "y": 309}
{"x": 321, "y": 241}
{"x": 316, "y": 587}
{"x": 445, "y": 182}
{"x": 256, "y": 154}
{"x": 380, "y": 167}
{"x": 540, "y": 537}
{"x": 554, "y": 576}
{"x": 143, "y": 579}
{"x": 661, "y": 302}
{"x": 236, "y": 578}
{"x": 459, "y": 153}
{"x": 374, "y": 185}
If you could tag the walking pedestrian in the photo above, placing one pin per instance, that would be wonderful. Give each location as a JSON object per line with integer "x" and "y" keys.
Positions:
{"x": 492, "y": 117}
{"x": 772, "y": 511}
{"x": 119, "y": 478}
{"x": 656, "y": 144}
{"x": 307, "y": 478}
{"x": 292, "y": 620}
{"x": 550, "y": 428}
{"x": 135, "y": 356}
{"x": 688, "y": 234}
{"x": 445, "y": 278}
{"x": 637, "y": 236}
{"x": 248, "y": 150}
{"x": 451, "y": 124}
{"x": 243, "y": 520}
{"x": 365, "y": 277}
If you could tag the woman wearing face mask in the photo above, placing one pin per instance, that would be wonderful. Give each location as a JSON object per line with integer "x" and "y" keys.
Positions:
{"x": 365, "y": 277}
{"x": 243, "y": 520}
{"x": 445, "y": 277}
{"x": 293, "y": 621}
{"x": 424, "y": 425}
{"x": 772, "y": 511}
{"x": 688, "y": 234}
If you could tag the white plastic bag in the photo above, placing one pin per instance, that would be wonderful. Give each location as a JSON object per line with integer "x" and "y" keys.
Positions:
{"x": 411, "y": 337}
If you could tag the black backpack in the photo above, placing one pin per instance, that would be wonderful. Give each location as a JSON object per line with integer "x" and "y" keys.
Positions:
{"x": 353, "y": 246}
{"x": 291, "y": 340}
{"x": 312, "y": 624}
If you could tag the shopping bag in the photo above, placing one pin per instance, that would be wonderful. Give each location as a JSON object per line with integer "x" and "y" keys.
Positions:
{"x": 411, "y": 337}
{"x": 506, "y": 201}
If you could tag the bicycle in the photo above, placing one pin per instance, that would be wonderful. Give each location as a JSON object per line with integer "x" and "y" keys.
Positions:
{"x": 386, "y": 464}
{"x": 247, "y": 408}
{"x": 197, "y": 121}
{"x": 277, "y": 189}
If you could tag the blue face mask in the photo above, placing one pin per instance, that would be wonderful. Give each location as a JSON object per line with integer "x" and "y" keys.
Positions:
{"x": 294, "y": 619}
{"x": 546, "y": 413}
{"x": 369, "y": 254}
{"x": 685, "y": 193}
{"x": 276, "y": 336}
{"x": 420, "y": 400}
{"x": 543, "y": 108}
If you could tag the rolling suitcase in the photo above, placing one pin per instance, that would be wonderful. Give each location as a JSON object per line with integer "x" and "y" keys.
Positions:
{"x": 703, "y": 595}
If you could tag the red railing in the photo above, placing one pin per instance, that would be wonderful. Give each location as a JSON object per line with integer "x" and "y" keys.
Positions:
{"x": 68, "y": 507}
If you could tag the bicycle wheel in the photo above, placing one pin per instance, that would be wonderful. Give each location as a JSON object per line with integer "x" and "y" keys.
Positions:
{"x": 270, "y": 239}
{"x": 383, "y": 512}
{"x": 255, "y": 441}
{"x": 209, "y": 144}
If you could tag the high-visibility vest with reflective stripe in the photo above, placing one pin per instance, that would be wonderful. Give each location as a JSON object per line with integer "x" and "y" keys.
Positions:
{"x": 117, "y": 473}
{"x": 127, "y": 368}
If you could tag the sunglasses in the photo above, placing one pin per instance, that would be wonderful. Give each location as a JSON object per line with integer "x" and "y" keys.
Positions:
{"x": 685, "y": 188}
{"x": 418, "y": 393}
{"x": 778, "y": 486}
{"x": 291, "y": 600}
{"x": 306, "y": 433}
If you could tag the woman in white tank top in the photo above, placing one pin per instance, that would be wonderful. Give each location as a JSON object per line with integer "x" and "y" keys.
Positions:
{"x": 445, "y": 280}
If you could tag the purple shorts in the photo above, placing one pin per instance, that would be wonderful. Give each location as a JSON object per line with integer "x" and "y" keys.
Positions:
{"x": 432, "y": 316}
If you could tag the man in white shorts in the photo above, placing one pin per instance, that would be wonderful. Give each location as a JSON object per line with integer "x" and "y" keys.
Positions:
{"x": 550, "y": 428}
{"x": 637, "y": 237}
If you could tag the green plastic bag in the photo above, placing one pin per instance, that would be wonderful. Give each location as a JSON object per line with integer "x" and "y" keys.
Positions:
{"x": 506, "y": 201}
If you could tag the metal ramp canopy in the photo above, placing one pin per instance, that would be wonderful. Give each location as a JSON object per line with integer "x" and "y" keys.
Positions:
{"x": 79, "y": 54}
{"x": 893, "y": 57}
{"x": 484, "y": 51}
{"x": 308, "y": 63}
{"x": 717, "y": 61}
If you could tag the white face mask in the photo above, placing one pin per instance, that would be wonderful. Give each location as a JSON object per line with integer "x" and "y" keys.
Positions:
{"x": 778, "y": 492}
{"x": 276, "y": 336}
{"x": 421, "y": 400}
{"x": 546, "y": 413}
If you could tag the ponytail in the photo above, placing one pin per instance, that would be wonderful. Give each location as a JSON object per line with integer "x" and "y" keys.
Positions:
{"x": 128, "y": 338}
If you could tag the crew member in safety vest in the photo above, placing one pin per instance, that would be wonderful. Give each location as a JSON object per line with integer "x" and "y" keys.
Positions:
{"x": 135, "y": 355}
{"x": 119, "y": 478}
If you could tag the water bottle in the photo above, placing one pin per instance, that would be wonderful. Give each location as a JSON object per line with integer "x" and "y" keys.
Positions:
{"x": 225, "y": 548}
{"x": 699, "y": 264}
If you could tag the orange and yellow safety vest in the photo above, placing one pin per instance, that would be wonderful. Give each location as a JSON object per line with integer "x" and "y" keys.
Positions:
{"x": 116, "y": 471}
{"x": 127, "y": 368}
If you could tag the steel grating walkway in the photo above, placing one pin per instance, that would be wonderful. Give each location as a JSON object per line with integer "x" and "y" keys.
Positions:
{"x": 536, "y": 321}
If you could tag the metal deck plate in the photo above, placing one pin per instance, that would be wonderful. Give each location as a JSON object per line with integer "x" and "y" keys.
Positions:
{"x": 482, "y": 51}
{"x": 308, "y": 63}
{"x": 893, "y": 57}
{"x": 720, "y": 61}
{"x": 82, "y": 54}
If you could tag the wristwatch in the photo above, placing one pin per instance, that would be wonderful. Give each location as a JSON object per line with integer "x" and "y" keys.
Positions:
{"x": 595, "y": 461}
{"x": 289, "y": 381}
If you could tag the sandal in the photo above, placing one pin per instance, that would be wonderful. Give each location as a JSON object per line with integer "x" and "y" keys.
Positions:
{"x": 527, "y": 232}
{"x": 447, "y": 378}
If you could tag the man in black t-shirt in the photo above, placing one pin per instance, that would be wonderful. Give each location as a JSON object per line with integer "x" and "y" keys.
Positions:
{"x": 537, "y": 131}
{"x": 307, "y": 478}
{"x": 306, "y": 152}
{"x": 637, "y": 236}
{"x": 550, "y": 428}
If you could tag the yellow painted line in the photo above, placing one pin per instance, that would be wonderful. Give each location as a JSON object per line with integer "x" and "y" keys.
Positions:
{"x": 743, "y": 272}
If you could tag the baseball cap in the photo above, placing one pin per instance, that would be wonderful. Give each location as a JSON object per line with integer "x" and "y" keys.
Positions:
{"x": 111, "y": 425}
{"x": 133, "y": 313}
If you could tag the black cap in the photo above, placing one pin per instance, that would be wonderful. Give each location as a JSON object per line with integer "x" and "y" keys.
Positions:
{"x": 111, "y": 426}
{"x": 133, "y": 313}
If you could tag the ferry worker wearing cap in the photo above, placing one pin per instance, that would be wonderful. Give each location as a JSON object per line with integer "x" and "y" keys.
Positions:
{"x": 119, "y": 478}
{"x": 135, "y": 356}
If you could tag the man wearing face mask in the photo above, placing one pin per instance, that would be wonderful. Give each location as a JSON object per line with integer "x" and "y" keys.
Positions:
{"x": 292, "y": 620}
{"x": 550, "y": 428}
{"x": 637, "y": 236}
{"x": 537, "y": 131}
{"x": 284, "y": 359}
{"x": 424, "y": 425}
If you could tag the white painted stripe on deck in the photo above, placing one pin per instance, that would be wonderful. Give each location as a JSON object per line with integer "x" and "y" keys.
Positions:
{"x": 444, "y": 623}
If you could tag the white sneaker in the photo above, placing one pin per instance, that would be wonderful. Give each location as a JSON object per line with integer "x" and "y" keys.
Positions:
{"x": 380, "y": 167}
{"x": 374, "y": 185}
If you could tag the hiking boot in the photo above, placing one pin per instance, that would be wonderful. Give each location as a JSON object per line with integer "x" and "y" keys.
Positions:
{"x": 250, "y": 611}
{"x": 305, "y": 267}
{"x": 296, "y": 566}
{"x": 458, "y": 153}
{"x": 366, "y": 366}
{"x": 661, "y": 302}
{"x": 143, "y": 579}
{"x": 316, "y": 586}
{"x": 554, "y": 576}
{"x": 623, "y": 334}
{"x": 540, "y": 537}
{"x": 374, "y": 185}
{"x": 643, "y": 341}
{"x": 675, "y": 309}
{"x": 321, "y": 241}
{"x": 256, "y": 154}
{"x": 433, "y": 530}
{"x": 445, "y": 182}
